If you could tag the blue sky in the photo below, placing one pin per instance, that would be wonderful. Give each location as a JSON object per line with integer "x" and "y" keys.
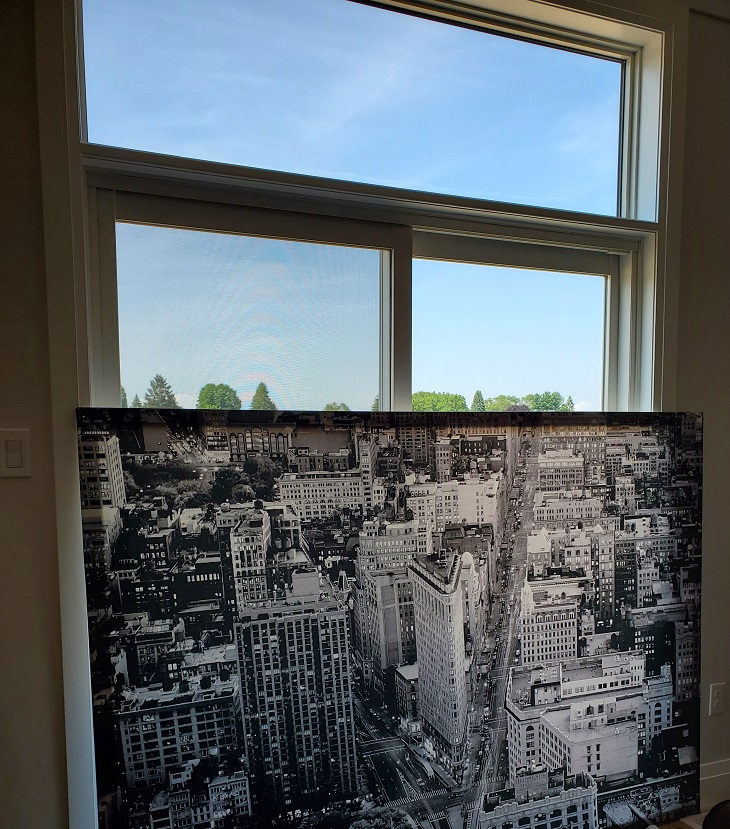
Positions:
{"x": 301, "y": 317}
{"x": 335, "y": 89}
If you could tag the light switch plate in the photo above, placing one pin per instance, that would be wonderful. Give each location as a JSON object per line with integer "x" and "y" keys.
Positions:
{"x": 14, "y": 453}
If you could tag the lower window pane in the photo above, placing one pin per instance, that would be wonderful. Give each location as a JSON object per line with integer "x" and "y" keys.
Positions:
{"x": 205, "y": 309}
{"x": 508, "y": 335}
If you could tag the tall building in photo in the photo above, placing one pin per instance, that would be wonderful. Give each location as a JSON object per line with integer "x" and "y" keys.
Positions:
{"x": 102, "y": 495}
{"x": 213, "y": 430}
{"x": 479, "y": 499}
{"x": 442, "y": 683}
{"x": 539, "y": 553}
{"x": 480, "y": 542}
{"x": 473, "y": 593}
{"x": 99, "y": 537}
{"x": 415, "y": 439}
{"x": 367, "y": 456}
{"x": 572, "y": 550}
{"x": 659, "y": 699}
{"x": 296, "y": 699}
{"x": 599, "y": 735}
{"x": 444, "y": 454}
{"x": 261, "y": 542}
{"x": 625, "y": 568}
{"x": 406, "y": 696}
{"x": 100, "y": 469}
{"x": 555, "y": 510}
{"x": 606, "y": 593}
{"x": 383, "y": 595}
{"x": 548, "y": 627}
{"x": 390, "y": 628}
{"x": 199, "y": 796}
{"x": 250, "y": 542}
{"x": 161, "y": 729}
{"x": 587, "y": 439}
{"x": 687, "y": 659}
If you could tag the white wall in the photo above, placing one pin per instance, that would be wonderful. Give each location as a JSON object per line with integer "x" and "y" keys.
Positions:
{"x": 32, "y": 736}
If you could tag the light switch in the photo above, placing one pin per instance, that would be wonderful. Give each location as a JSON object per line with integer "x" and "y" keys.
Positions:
{"x": 14, "y": 453}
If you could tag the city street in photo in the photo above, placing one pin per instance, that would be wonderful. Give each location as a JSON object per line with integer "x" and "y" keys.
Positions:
{"x": 324, "y": 620}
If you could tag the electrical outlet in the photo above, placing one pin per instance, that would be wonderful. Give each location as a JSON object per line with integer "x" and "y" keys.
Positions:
{"x": 717, "y": 699}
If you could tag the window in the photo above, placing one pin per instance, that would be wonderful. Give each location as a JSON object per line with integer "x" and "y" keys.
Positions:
{"x": 378, "y": 100}
{"x": 453, "y": 137}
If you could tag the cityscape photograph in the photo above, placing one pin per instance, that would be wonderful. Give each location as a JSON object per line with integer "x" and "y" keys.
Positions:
{"x": 384, "y": 620}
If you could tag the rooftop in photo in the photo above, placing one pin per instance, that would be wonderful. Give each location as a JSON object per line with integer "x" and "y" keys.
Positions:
{"x": 408, "y": 672}
{"x": 183, "y": 693}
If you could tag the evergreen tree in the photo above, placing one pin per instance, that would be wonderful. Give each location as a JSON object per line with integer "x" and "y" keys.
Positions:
{"x": 261, "y": 400}
{"x": 568, "y": 406}
{"x": 336, "y": 407}
{"x": 136, "y": 403}
{"x": 477, "y": 404}
{"x": 376, "y": 404}
{"x": 219, "y": 396}
{"x": 123, "y": 397}
{"x": 160, "y": 395}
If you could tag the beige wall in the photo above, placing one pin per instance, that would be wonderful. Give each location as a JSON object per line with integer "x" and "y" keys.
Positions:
{"x": 703, "y": 371}
{"x": 32, "y": 749}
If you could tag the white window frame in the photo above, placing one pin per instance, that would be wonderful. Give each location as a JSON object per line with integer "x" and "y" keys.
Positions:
{"x": 151, "y": 196}
{"x": 540, "y": 237}
{"x": 122, "y": 201}
{"x": 643, "y": 294}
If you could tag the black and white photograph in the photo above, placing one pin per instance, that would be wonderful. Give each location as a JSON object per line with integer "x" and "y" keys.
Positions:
{"x": 382, "y": 620}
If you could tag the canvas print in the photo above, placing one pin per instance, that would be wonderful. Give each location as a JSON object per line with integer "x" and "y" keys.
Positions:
{"x": 386, "y": 620}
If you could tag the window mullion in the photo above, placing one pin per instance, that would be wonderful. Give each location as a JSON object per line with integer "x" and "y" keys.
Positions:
{"x": 400, "y": 357}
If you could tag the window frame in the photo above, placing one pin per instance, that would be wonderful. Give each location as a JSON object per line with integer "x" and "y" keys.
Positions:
{"x": 124, "y": 185}
{"x": 109, "y": 206}
{"x": 655, "y": 38}
{"x": 632, "y": 344}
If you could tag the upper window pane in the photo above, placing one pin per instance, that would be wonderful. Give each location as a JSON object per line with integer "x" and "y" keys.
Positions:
{"x": 336, "y": 89}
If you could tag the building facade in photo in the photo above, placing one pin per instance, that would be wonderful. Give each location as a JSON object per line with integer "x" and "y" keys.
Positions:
{"x": 442, "y": 684}
{"x": 296, "y": 699}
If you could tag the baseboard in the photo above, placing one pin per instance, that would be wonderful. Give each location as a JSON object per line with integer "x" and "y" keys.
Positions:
{"x": 714, "y": 783}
